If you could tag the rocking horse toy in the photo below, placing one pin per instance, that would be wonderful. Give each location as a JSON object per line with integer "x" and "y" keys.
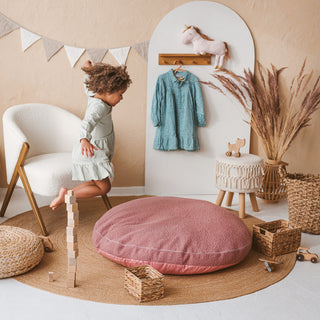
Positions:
{"x": 203, "y": 44}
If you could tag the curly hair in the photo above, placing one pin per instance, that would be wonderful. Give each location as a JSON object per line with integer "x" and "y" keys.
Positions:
{"x": 106, "y": 78}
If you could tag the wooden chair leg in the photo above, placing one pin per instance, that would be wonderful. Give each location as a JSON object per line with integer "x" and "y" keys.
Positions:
{"x": 9, "y": 192}
{"x": 19, "y": 171}
{"x": 106, "y": 201}
{"x": 254, "y": 203}
{"x": 229, "y": 199}
{"x": 220, "y": 197}
{"x": 242, "y": 205}
{"x": 14, "y": 178}
{"x": 32, "y": 200}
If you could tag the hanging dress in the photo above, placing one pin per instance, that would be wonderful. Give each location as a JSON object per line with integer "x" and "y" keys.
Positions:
{"x": 177, "y": 112}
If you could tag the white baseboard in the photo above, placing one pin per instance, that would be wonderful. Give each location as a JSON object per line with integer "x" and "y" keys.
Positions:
{"x": 127, "y": 191}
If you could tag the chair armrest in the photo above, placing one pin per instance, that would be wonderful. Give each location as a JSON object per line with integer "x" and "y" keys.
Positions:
{"x": 13, "y": 140}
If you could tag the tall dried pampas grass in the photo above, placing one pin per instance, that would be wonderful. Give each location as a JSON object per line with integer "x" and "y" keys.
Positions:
{"x": 275, "y": 121}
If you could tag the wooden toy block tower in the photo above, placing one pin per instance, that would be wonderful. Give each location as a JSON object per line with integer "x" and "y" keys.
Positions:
{"x": 72, "y": 237}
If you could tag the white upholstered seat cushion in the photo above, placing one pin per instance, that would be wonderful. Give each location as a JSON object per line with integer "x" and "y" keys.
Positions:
{"x": 48, "y": 172}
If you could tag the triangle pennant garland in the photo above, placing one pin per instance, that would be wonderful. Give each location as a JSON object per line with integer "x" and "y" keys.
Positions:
{"x": 73, "y": 54}
{"x": 120, "y": 54}
{"x": 142, "y": 49}
{"x": 96, "y": 55}
{"x": 51, "y": 47}
{"x": 6, "y": 26}
{"x": 28, "y": 38}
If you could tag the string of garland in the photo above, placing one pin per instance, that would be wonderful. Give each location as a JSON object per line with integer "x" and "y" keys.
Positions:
{"x": 52, "y": 47}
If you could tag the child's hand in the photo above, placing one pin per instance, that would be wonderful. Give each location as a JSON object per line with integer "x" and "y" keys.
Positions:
{"x": 87, "y": 149}
{"x": 87, "y": 64}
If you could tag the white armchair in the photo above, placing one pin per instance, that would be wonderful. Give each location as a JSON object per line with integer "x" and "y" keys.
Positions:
{"x": 38, "y": 142}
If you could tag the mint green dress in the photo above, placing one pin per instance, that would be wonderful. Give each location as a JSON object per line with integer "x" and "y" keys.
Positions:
{"x": 97, "y": 127}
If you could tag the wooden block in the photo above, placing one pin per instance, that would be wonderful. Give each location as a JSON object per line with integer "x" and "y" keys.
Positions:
{"x": 72, "y": 261}
{"x": 72, "y": 231}
{"x": 50, "y": 276}
{"x": 73, "y": 222}
{"x": 72, "y": 215}
{"x": 70, "y": 199}
{"x": 72, "y": 238}
{"x": 72, "y": 268}
{"x": 73, "y": 253}
{"x": 71, "y": 276}
{"x": 72, "y": 246}
{"x": 70, "y": 193}
{"x": 71, "y": 283}
{"x": 72, "y": 206}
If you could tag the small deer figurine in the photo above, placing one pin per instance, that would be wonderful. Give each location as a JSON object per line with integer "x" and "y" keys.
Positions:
{"x": 235, "y": 148}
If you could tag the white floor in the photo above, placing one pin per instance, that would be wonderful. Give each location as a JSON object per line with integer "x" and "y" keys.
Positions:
{"x": 295, "y": 297}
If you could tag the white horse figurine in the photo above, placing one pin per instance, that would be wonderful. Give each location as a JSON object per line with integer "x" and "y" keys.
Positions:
{"x": 203, "y": 44}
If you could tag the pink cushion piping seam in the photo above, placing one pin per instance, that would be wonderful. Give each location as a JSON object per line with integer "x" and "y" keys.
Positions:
{"x": 166, "y": 250}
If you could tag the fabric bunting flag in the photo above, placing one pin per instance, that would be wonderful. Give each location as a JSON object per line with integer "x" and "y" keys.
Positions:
{"x": 51, "y": 47}
{"x": 120, "y": 54}
{"x": 28, "y": 38}
{"x": 142, "y": 49}
{"x": 73, "y": 54}
{"x": 96, "y": 55}
{"x": 6, "y": 26}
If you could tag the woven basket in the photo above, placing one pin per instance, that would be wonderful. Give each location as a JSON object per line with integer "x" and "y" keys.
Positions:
{"x": 273, "y": 186}
{"x": 276, "y": 238}
{"x": 144, "y": 283}
{"x": 20, "y": 251}
{"x": 303, "y": 200}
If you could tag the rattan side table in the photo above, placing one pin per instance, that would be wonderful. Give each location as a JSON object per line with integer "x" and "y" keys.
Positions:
{"x": 241, "y": 175}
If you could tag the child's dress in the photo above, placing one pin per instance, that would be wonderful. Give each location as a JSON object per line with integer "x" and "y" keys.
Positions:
{"x": 97, "y": 127}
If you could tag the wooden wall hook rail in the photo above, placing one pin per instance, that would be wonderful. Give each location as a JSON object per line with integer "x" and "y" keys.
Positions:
{"x": 184, "y": 59}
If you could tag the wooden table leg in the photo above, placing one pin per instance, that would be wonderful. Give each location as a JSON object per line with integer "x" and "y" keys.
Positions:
{"x": 254, "y": 203}
{"x": 242, "y": 205}
{"x": 229, "y": 199}
{"x": 220, "y": 197}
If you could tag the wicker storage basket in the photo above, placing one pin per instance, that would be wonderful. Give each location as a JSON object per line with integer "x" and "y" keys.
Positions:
{"x": 20, "y": 251}
{"x": 144, "y": 283}
{"x": 303, "y": 200}
{"x": 276, "y": 238}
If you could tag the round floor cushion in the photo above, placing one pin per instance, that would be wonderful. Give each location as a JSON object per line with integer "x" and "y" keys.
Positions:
{"x": 20, "y": 251}
{"x": 174, "y": 235}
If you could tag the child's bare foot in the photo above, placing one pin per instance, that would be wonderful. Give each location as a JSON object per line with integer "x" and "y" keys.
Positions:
{"x": 59, "y": 199}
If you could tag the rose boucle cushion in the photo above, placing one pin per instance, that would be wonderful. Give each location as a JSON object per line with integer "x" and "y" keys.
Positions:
{"x": 173, "y": 235}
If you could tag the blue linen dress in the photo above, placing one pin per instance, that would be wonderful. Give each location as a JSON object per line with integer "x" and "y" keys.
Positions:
{"x": 177, "y": 112}
{"x": 97, "y": 127}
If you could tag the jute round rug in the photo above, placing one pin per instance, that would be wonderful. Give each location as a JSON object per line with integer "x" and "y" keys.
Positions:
{"x": 101, "y": 280}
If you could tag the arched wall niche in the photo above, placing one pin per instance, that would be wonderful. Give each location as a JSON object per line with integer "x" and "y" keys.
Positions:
{"x": 181, "y": 172}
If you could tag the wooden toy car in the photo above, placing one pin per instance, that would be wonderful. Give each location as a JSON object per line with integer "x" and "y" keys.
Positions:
{"x": 304, "y": 254}
{"x": 270, "y": 265}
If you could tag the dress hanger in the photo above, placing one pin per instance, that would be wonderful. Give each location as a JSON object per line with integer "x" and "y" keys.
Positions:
{"x": 178, "y": 69}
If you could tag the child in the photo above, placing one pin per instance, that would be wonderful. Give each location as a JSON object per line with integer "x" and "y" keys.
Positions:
{"x": 92, "y": 154}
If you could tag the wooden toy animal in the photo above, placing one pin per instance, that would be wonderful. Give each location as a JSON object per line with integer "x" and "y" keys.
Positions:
{"x": 235, "y": 148}
{"x": 203, "y": 44}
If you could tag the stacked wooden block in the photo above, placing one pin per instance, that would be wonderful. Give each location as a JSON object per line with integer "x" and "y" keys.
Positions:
{"x": 72, "y": 237}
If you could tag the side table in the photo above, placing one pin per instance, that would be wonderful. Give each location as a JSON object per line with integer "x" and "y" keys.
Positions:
{"x": 241, "y": 175}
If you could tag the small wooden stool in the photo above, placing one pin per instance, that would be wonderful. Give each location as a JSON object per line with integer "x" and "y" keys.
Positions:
{"x": 241, "y": 175}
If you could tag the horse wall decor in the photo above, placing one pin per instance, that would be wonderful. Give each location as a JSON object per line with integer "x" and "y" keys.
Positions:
{"x": 202, "y": 44}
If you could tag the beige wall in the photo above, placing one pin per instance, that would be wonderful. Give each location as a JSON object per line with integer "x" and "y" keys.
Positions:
{"x": 284, "y": 32}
